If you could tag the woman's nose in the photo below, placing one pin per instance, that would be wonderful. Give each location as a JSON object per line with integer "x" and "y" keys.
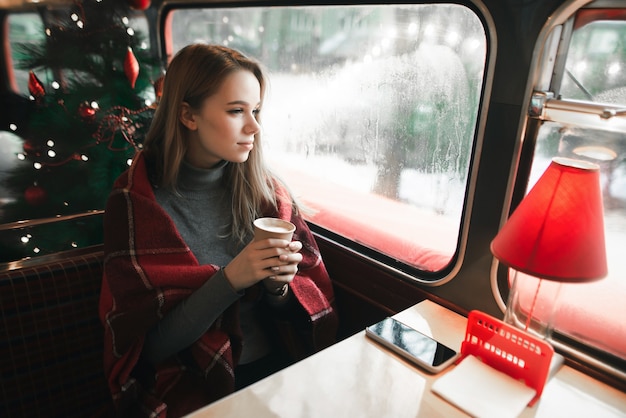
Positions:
{"x": 252, "y": 126}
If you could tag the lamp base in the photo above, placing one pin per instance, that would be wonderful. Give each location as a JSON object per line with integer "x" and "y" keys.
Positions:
{"x": 532, "y": 304}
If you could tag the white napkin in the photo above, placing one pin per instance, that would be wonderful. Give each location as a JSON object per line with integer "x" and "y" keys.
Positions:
{"x": 482, "y": 391}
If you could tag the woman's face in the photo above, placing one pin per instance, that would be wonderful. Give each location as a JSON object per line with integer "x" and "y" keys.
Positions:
{"x": 225, "y": 125}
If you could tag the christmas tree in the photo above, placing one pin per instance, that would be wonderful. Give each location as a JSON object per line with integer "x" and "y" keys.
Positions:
{"x": 93, "y": 87}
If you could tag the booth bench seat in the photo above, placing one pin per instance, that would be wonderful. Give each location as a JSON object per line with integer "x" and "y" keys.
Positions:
{"x": 51, "y": 339}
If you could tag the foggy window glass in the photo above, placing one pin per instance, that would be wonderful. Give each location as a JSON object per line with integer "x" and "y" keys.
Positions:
{"x": 370, "y": 113}
{"x": 595, "y": 69}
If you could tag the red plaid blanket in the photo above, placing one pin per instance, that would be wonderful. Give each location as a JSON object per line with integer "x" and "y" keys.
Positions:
{"x": 148, "y": 269}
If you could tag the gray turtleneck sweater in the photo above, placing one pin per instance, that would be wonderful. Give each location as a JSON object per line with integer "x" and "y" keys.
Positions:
{"x": 201, "y": 211}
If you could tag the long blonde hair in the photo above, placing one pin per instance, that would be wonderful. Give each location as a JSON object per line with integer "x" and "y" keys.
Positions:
{"x": 195, "y": 73}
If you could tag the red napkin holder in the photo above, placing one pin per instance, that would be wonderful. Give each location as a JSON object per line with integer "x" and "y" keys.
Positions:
{"x": 508, "y": 349}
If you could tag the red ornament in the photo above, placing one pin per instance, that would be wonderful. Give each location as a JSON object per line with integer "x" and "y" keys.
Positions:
{"x": 87, "y": 112}
{"x": 35, "y": 87}
{"x": 131, "y": 67}
{"x": 35, "y": 195}
{"x": 139, "y": 4}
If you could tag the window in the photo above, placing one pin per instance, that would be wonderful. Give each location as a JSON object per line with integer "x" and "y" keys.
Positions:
{"x": 371, "y": 114}
{"x": 580, "y": 115}
{"x": 26, "y": 29}
{"x": 70, "y": 124}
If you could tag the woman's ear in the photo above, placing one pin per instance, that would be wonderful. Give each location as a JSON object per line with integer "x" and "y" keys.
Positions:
{"x": 186, "y": 117}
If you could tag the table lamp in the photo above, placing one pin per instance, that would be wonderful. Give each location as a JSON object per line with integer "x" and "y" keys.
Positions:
{"x": 556, "y": 234}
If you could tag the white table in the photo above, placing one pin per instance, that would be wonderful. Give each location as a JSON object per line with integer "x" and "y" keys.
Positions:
{"x": 359, "y": 378}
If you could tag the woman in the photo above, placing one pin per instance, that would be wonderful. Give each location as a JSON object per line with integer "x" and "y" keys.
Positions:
{"x": 192, "y": 308}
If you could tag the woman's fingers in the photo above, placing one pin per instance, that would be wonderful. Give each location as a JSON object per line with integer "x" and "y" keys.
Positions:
{"x": 281, "y": 254}
{"x": 285, "y": 264}
{"x": 280, "y": 245}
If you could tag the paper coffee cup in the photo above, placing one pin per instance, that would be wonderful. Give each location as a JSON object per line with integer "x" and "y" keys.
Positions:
{"x": 273, "y": 228}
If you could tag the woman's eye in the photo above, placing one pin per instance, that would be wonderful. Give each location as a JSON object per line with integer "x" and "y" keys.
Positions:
{"x": 239, "y": 111}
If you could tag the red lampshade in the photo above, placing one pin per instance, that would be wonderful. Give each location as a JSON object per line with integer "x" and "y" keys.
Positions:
{"x": 557, "y": 231}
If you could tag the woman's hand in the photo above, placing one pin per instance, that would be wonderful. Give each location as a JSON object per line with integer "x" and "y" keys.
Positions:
{"x": 273, "y": 259}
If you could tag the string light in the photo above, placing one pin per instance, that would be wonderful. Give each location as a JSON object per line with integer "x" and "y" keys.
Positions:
{"x": 76, "y": 19}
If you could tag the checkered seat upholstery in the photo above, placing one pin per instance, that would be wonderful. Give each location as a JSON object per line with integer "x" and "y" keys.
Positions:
{"x": 51, "y": 338}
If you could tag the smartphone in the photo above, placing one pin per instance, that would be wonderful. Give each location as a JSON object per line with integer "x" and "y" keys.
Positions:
{"x": 420, "y": 349}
